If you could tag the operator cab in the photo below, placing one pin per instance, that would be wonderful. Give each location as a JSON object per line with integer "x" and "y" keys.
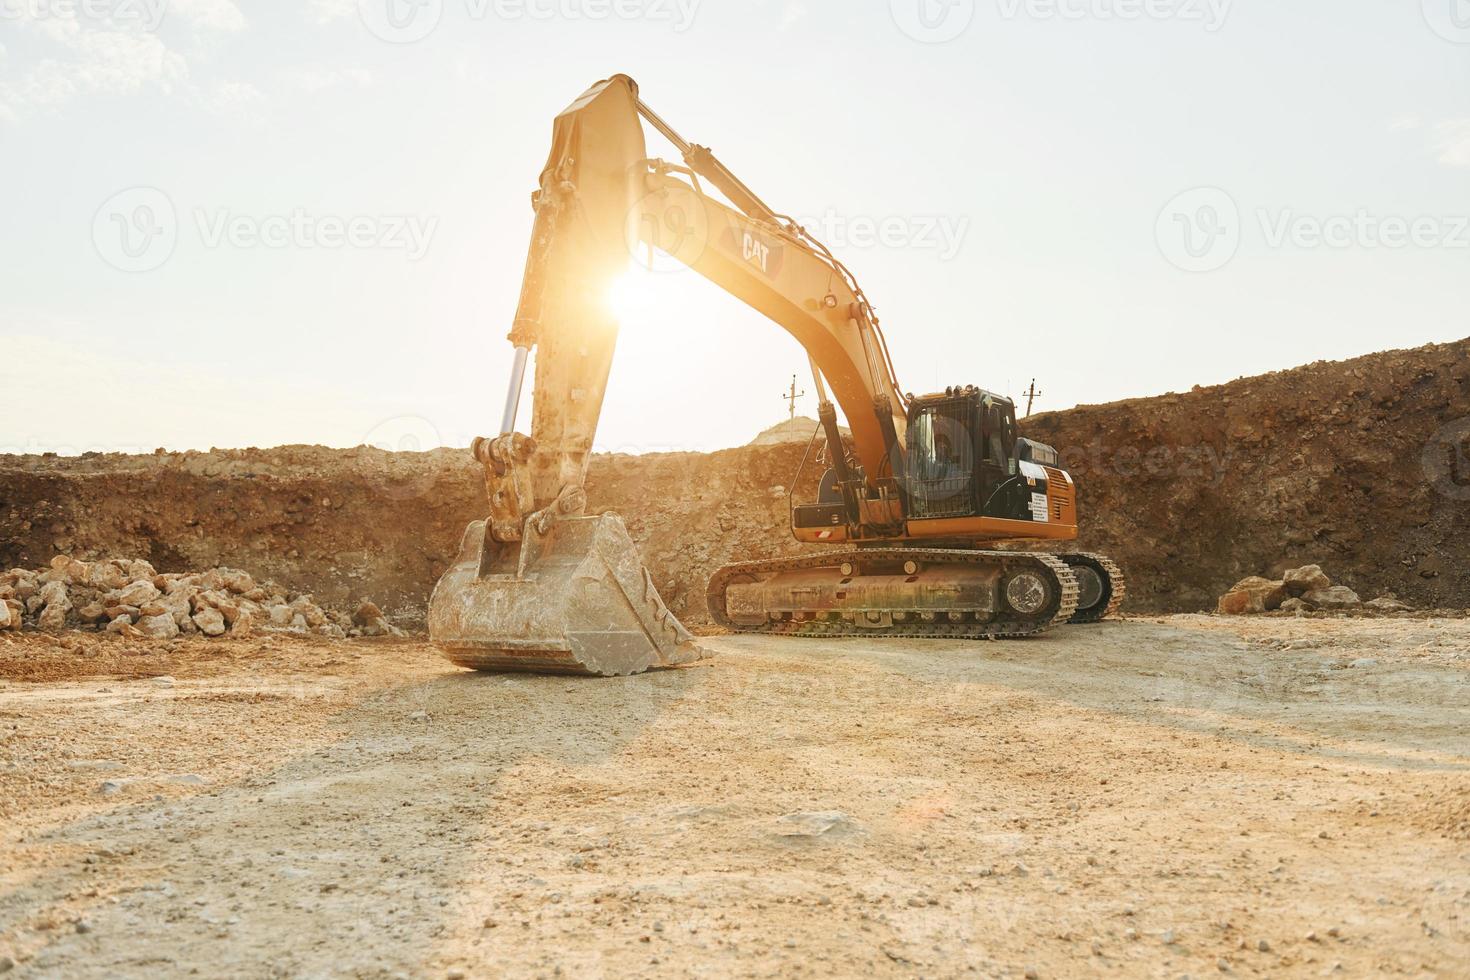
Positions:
{"x": 964, "y": 457}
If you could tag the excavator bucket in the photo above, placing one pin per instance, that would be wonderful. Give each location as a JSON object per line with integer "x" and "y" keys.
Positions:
{"x": 574, "y": 600}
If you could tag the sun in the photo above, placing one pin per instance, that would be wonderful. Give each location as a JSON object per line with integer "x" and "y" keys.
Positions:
{"x": 632, "y": 297}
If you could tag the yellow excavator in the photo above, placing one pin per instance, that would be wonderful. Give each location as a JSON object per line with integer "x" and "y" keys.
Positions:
{"x": 539, "y": 586}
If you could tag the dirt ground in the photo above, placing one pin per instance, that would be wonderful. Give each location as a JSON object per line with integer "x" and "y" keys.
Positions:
{"x": 1159, "y": 797}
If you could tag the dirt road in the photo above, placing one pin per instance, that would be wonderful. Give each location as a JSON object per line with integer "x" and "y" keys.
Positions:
{"x": 1175, "y": 796}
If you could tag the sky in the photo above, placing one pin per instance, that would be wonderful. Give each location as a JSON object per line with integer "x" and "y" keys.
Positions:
{"x": 230, "y": 224}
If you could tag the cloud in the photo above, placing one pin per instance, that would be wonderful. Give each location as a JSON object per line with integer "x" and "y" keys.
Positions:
{"x": 209, "y": 15}
{"x": 76, "y": 51}
{"x": 1453, "y": 142}
{"x": 314, "y": 80}
{"x": 328, "y": 11}
{"x": 792, "y": 12}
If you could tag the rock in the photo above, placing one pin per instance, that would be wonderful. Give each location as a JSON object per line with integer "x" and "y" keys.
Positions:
{"x": 17, "y": 613}
{"x": 107, "y": 575}
{"x": 211, "y": 621}
{"x": 298, "y": 623}
{"x": 234, "y": 580}
{"x": 57, "y": 605}
{"x": 1308, "y": 578}
{"x": 1387, "y": 604}
{"x": 137, "y": 594}
{"x": 124, "y": 626}
{"x": 160, "y": 627}
{"x": 1336, "y": 597}
{"x": 5, "y": 615}
{"x": 821, "y": 824}
{"x": 228, "y": 605}
{"x": 1252, "y": 595}
{"x": 1295, "y": 606}
{"x": 332, "y": 630}
{"x": 138, "y": 570}
{"x": 164, "y": 680}
{"x": 308, "y": 610}
{"x": 54, "y": 591}
{"x": 366, "y": 613}
{"x": 280, "y": 615}
{"x": 92, "y": 612}
{"x": 244, "y": 624}
{"x": 1363, "y": 662}
{"x": 131, "y": 612}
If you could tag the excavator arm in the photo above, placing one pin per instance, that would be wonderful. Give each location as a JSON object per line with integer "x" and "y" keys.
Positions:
{"x": 600, "y": 200}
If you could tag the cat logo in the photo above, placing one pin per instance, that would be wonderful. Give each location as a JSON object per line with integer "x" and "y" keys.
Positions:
{"x": 756, "y": 251}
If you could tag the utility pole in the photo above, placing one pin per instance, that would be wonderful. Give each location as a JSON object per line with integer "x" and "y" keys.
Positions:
{"x": 1031, "y": 395}
{"x": 792, "y": 396}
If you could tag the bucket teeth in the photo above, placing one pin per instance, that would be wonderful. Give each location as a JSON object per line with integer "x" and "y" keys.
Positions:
{"x": 585, "y": 604}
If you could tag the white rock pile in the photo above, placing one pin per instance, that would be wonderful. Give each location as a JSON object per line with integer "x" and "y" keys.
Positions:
{"x": 128, "y": 596}
{"x": 1299, "y": 590}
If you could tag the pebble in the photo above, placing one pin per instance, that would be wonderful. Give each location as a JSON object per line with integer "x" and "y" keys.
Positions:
{"x": 419, "y": 716}
{"x": 164, "y": 681}
{"x": 83, "y": 926}
{"x": 1263, "y": 946}
{"x": 6, "y": 964}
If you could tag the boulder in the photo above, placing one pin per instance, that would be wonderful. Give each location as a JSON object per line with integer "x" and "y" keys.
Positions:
{"x": 308, "y": 610}
{"x": 244, "y": 624}
{"x": 280, "y": 615}
{"x": 92, "y": 612}
{"x": 139, "y": 594}
{"x": 1336, "y": 597}
{"x": 1295, "y": 605}
{"x": 107, "y": 576}
{"x": 366, "y": 613}
{"x": 210, "y": 621}
{"x": 1308, "y": 578}
{"x": 56, "y": 606}
{"x": 1387, "y": 603}
{"x": 161, "y": 627}
{"x": 124, "y": 626}
{"x": 5, "y": 614}
{"x": 1252, "y": 595}
{"x": 17, "y": 612}
{"x": 138, "y": 570}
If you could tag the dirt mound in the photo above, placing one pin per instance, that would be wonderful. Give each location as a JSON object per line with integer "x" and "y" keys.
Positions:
{"x": 798, "y": 430}
{"x": 1359, "y": 466}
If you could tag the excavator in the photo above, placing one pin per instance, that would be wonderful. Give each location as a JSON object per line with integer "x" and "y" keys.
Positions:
{"x": 904, "y": 509}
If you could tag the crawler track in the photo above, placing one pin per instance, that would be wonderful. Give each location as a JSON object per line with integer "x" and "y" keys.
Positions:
{"x": 1115, "y": 586}
{"x": 1005, "y": 623}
